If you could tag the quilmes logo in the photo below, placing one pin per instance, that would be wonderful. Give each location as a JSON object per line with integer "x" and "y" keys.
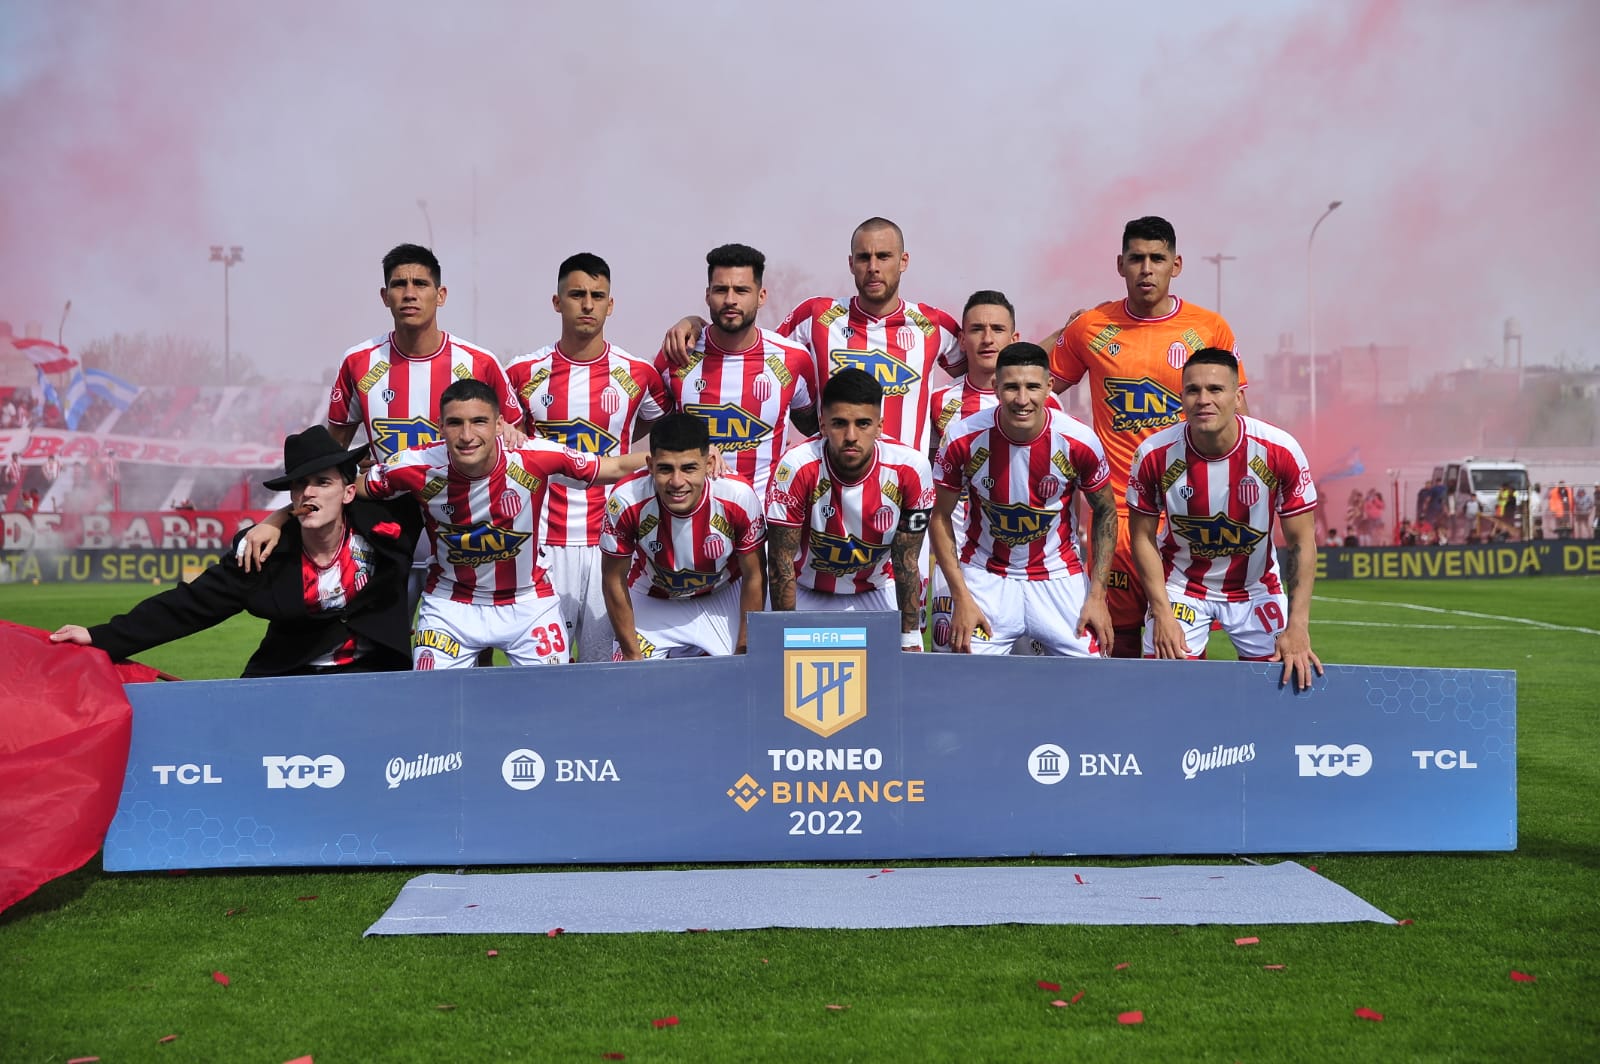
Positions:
{"x": 391, "y": 435}
{"x": 299, "y": 771}
{"x": 894, "y": 375}
{"x": 1196, "y": 761}
{"x": 480, "y": 543}
{"x": 399, "y": 770}
{"x": 731, "y": 427}
{"x": 1215, "y": 536}
{"x": 1141, "y": 403}
{"x": 825, "y": 677}
{"x": 844, "y": 555}
{"x": 1329, "y": 760}
{"x": 580, "y": 434}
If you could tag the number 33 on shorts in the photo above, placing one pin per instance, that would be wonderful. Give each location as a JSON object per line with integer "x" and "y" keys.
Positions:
{"x": 549, "y": 639}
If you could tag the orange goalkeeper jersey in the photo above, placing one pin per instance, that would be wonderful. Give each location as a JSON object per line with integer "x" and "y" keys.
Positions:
{"x": 1135, "y": 370}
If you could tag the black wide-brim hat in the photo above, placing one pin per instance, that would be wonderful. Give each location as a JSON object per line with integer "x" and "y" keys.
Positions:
{"x": 311, "y": 451}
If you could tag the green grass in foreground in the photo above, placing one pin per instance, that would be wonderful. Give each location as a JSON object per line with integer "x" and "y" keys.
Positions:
{"x": 106, "y": 965}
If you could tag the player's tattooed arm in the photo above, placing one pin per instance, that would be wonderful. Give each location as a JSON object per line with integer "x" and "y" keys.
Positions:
{"x": 1096, "y": 615}
{"x": 783, "y": 545}
{"x": 905, "y": 552}
{"x": 1298, "y": 559}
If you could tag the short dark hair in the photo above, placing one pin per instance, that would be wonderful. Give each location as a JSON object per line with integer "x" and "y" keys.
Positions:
{"x": 988, "y": 297}
{"x": 876, "y": 222}
{"x": 852, "y": 385}
{"x": 732, "y": 256}
{"x": 679, "y": 432}
{"x": 411, "y": 255}
{"x": 1022, "y": 353}
{"x": 1150, "y": 227}
{"x": 1214, "y": 356}
{"x": 465, "y": 390}
{"x": 583, "y": 262}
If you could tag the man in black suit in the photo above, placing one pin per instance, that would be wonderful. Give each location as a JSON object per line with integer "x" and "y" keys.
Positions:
{"x": 333, "y": 594}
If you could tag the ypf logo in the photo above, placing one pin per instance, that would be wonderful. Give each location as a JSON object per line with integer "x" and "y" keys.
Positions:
{"x": 1048, "y": 763}
{"x": 299, "y": 771}
{"x": 1330, "y": 760}
{"x": 825, "y": 677}
{"x": 523, "y": 770}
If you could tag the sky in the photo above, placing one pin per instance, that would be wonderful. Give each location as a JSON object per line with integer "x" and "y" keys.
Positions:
{"x": 1010, "y": 140}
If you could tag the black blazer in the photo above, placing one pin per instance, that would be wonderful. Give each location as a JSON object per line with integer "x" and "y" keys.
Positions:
{"x": 379, "y": 611}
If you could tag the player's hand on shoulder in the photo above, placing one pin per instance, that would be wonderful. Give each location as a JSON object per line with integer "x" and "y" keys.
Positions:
{"x": 71, "y": 633}
{"x": 680, "y": 340}
{"x": 512, "y": 436}
{"x": 256, "y": 546}
{"x": 716, "y": 465}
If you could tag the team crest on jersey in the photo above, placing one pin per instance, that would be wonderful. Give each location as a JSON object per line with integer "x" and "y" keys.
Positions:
{"x": 1141, "y": 403}
{"x": 506, "y": 505}
{"x": 1047, "y": 487}
{"x": 731, "y": 427}
{"x": 682, "y": 583}
{"x": 580, "y": 434}
{"x": 480, "y": 543}
{"x": 1217, "y": 536}
{"x": 388, "y": 395}
{"x": 1249, "y": 491}
{"x": 714, "y": 546}
{"x": 883, "y": 518}
{"x": 610, "y": 401}
{"x": 783, "y": 472}
{"x": 844, "y": 555}
{"x": 391, "y": 435}
{"x": 1177, "y": 355}
{"x": 906, "y": 337}
{"x": 1015, "y": 523}
{"x": 762, "y": 388}
{"x": 894, "y": 375}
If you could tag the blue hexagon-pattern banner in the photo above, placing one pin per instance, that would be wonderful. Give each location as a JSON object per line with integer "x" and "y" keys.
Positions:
{"x": 824, "y": 743}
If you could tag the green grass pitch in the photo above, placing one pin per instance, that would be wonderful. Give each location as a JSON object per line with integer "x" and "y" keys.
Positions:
{"x": 105, "y": 966}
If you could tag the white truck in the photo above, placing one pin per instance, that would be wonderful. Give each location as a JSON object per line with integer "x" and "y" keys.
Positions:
{"x": 1478, "y": 479}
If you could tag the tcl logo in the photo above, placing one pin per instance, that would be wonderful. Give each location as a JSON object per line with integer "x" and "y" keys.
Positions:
{"x": 299, "y": 771}
{"x": 185, "y": 774}
{"x": 1445, "y": 759}
{"x": 1329, "y": 760}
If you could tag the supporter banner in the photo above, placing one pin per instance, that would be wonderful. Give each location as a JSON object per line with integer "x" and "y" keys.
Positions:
{"x": 36, "y": 444}
{"x": 825, "y": 742}
{"x": 105, "y": 566}
{"x": 125, "y": 530}
{"x": 1532, "y": 558}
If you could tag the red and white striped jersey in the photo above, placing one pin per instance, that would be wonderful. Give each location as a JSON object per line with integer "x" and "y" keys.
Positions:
{"x": 397, "y": 397}
{"x": 961, "y": 398}
{"x": 483, "y": 530}
{"x": 743, "y": 397}
{"x": 847, "y": 529}
{"x": 1217, "y": 544}
{"x": 592, "y": 407}
{"x": 1023, "y": 526}
{"x": 688, "y": 556}
{"x": 900, "y": 350}
{"x": 331, "y": 587}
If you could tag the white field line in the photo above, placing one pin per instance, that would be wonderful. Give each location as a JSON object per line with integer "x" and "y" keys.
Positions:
{"x": 1441, "y": 627}
{"x": 1458, "y": 613}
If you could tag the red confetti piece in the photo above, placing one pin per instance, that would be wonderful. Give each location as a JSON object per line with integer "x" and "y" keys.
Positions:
{"x": 836, "y": 1008}
{"x": 234, "y": 912}
{"x": 666, "y": 1021}
{"x": 1522, "y": 977}
{"x": 1250, "y": 941}
{"x": 554, "y": 931}
{"x": 220, "y": 977}
{"x": 1314, "y": 868}
{"x": 1136, "y": 1016}
{"x": 613, "y": 1056}
{"x": 164, "y": 1039}
{"x": 1368, "y": 1014}
{"x": 1274, "y": 967}
{"x": 301, "y": 1060}
{"x": 83, "y": 1060}
{"x": 307, "y": 897}
{"x": 1403, "y": 923}
{"x": 1076, "y": 998}
{"x": 1078, "y": 878}
{"x": 492, "y": 953}
{"x": 1059, "y": 1004}
{"x": 886, "y": 871}
{"x": 1121, "y": 966}
{"x": 1042, "y": 985}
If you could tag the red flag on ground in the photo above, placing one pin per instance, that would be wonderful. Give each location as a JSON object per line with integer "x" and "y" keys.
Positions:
{"x": 63, "y": 751}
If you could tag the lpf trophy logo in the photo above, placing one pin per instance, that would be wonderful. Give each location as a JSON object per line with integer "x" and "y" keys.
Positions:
{"x": 825, "y": 677}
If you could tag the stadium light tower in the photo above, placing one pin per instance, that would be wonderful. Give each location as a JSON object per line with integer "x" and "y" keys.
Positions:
{"x": 422, "y": 205}
{"x": 1217, "y": 260}
{"x": 1311, "y": 312}
{"x": 233, "y": 255}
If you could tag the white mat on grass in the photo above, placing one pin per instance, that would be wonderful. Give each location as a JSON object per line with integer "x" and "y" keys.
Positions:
{"x": 740, "y": 898}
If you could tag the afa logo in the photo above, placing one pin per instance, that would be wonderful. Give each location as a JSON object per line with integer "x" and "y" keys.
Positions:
{"x": 1217, "y": 536}
{"x": 896, "y": 377}
{"x": 732, "y": 427}
{"x": 844, "y": 555}
{"x": 391, "y": 435}
{"x": 480, "y": 543}
{"x": 682, "y": 583}
{"x": 580, "y": 434}
{"x": 1141, "y": 403}
{"x": 1016, "y": 523}
{"x": 825, "y": 677}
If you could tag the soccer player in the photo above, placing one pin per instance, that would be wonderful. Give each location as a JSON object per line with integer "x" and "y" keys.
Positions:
{"x": 741, "y": 379}
{"x": 334, "y": 600}
{"x": 481, "y": 502}
{"x": 1220, "y": 478}
{"x": 683, "y": 562}
{"x": 846, "y": 513}
{"x": 1018, "y": 571}
{"x": 593, "y": 397}
{"x": 897, "y": 341}
{"x": 1133, "y": 351}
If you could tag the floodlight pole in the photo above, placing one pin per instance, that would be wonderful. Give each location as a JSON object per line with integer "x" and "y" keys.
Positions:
{"x": 1311, "y": 312}
{"x": 234, "y": 253}
{"x": 1217, "y": 260}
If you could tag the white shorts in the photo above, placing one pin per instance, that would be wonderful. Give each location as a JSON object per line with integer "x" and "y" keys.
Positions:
{"x": 1044, "y": 610}
{"x": 880, "y": 598}
{"x": 939, "y": 609}
{"x": 1253, "y": 626}
{"x": 706, "y": 626}
{"x": 575, "y": 574}
{"x": 450, "y": 634}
